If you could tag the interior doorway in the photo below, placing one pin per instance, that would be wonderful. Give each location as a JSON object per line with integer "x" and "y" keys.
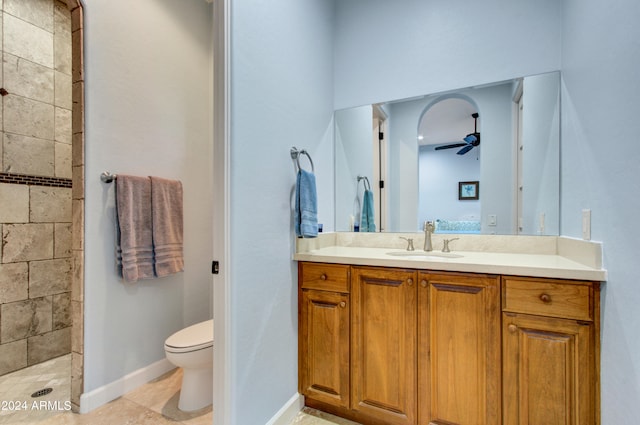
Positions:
{"x": 518, "y": 195}
{"x": 380, "y": 153}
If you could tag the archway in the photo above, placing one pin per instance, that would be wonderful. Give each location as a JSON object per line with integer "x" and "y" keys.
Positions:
{"x": 446, "y": 159}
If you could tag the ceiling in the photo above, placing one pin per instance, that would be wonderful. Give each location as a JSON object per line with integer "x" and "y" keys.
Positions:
{"x": 447, "y": 121}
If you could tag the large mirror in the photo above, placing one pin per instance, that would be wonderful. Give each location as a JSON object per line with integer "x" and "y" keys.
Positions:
{"x": 475, "y": 160}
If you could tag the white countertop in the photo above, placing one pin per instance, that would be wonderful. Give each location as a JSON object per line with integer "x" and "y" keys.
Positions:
{"x": 520, "y": 264}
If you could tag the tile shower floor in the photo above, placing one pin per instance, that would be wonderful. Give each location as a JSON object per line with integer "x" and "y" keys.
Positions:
{"x": 155, "y": 403}
{"x": 16, "y": 403}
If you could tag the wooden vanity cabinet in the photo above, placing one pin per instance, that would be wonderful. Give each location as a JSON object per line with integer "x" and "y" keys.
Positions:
{"x": 383, "y": 344}
{"x": 324, "y": 311}
{"x": 459, "y": 376}
{"x": 395, "y": 346}
{"x": 550, "y": 359}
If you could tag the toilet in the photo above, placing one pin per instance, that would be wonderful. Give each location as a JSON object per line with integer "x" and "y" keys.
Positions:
{"x": 192, "y": 349}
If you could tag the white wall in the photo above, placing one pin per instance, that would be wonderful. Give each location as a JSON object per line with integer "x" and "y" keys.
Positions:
{"x": 281, "y": 95}
{"x": 148, "y": 72}
{"x": 387, "y": 50}
{"x": 600, "y": 171}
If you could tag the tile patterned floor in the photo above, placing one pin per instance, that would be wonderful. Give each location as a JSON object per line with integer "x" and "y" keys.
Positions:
{"x": 155, "y": 403}
{"x": 16, "y": 404}
{"x": 310, "y": 416}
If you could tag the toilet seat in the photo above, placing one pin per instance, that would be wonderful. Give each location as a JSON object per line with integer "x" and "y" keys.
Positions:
{"x": 193, "y": 338}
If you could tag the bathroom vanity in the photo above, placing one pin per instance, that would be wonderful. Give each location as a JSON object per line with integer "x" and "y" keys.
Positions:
{"x": 482, "y": 337}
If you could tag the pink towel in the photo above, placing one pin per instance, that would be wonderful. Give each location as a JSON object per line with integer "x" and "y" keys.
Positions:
{"x": 134, "y": 236}
{"x": 166, "y": 211}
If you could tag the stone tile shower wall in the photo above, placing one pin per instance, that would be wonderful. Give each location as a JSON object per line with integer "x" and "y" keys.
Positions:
{"x": 35, "y": 182}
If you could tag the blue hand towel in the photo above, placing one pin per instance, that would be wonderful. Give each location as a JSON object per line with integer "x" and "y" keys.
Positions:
{"x": 306, "y": 209}
{"x": 367, "y": 219}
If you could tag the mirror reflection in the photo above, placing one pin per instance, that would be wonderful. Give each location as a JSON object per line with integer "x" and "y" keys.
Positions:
{"x": 475, "y": 160}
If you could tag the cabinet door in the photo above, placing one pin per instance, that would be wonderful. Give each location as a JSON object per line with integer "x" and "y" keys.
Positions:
{"x": 324, "y": 347}
{"x": 459, "y": 349}
{"x": 384, "y": 344}
{"x": 548, "y": 373}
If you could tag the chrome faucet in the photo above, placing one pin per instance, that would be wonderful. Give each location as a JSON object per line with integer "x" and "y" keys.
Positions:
{"x": 428, "y": 231}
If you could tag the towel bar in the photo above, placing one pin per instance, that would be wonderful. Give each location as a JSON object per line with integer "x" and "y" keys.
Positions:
{"x": 107, "y": 177}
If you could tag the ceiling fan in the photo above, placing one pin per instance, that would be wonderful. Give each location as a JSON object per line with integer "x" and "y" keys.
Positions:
{"x": 471, "y": 140}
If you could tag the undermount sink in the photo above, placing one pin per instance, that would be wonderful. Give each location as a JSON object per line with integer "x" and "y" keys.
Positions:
{"x": 424, "y": 254}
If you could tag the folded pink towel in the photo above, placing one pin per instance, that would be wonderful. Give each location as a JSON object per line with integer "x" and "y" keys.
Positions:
{"x": 134, "y": 236}
{"x": 166, "y": 212}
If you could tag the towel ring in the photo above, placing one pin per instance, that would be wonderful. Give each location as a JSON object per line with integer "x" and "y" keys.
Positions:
{"x": 295, "y": 154}
{"x": 366, "y": 184}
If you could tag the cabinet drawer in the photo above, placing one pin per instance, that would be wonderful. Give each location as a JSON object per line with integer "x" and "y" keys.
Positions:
{"x": 324, "y": 277}
{"x": 554, "y": 298}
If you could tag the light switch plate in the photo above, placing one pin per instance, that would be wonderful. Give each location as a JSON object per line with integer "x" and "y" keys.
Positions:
{"x": 586, "y": 225}
{"x": 492, "y": 220}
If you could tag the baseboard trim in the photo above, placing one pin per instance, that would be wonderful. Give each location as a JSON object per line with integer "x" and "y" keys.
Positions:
{"x": 288, "y": 412}
{"x": 102, "y": 395}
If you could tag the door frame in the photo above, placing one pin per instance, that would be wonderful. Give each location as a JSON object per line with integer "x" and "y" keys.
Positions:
{"x": 380, "y": 153}
{"x": 221, "y": 282}
{"x": 517, "y": 161}
{"x": 222, "y": 413}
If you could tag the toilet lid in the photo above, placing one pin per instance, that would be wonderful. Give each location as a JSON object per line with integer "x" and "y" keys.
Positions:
{"x": 192, "y": 338}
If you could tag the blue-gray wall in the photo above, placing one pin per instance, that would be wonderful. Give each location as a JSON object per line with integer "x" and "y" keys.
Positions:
{"x": 387, "y": 50}
{"x": 281, "y": 96}
{"x": 147, "y": 104}
{"x": 601, "y": 172}
{"x": 438, "y": 175}
{"x": 292, "y": 63}
{"x": 354, "y": 157}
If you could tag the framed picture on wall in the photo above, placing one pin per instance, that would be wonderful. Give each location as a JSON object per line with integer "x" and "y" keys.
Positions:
{"x": 468, "y": 191}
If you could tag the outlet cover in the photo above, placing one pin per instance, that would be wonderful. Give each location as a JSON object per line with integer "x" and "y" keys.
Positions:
{"x": 541, "y": 223}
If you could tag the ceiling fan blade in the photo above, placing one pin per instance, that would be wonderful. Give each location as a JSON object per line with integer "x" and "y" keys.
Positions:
{"x": 454, "y": 145}
{"x": 471, "y": 138}
{"x": 465, "y": 150}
